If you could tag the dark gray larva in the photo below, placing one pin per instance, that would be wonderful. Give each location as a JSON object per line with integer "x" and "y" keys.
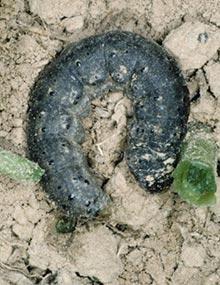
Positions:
{"x": 61, "y": 98}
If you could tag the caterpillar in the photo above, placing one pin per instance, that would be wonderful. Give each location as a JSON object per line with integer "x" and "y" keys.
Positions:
{"x": 61, "y": 97}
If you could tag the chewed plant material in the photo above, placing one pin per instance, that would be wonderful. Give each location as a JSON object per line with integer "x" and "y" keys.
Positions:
{"x": 195, "y": 175}
{"x": 18, "y": 167}
{"x": 62, "y": 96}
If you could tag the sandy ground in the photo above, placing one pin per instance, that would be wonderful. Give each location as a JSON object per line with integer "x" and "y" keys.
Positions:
{"x": 148, "y": 239}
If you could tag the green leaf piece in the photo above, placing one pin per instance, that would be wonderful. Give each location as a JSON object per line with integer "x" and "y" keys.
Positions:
{"x": 195, "y": 175}
{"x": 18, "y": 167}
{"x": 65, "y": 225}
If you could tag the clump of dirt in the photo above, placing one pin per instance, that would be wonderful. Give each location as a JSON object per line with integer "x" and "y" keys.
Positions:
{"x": 106, "y": 133}
{"x": 147, "y": 239}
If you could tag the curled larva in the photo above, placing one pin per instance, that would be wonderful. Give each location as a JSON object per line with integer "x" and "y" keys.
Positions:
{"x": 61, "y": 97}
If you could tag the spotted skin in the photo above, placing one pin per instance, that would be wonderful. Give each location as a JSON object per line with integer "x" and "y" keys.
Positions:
{"x": 62, "y": 96}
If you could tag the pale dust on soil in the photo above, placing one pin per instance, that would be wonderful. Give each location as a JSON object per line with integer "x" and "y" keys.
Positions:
{"x": 148, "y": 239}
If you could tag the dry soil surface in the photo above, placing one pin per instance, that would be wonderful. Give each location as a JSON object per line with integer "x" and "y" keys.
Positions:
{"x": 147, "y": 239}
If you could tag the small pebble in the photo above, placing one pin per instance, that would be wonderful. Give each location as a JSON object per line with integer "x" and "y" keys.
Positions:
{"x": 73, "y": 24}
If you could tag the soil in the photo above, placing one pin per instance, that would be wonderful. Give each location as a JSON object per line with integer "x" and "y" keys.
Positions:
{"x": 146, "y": 239}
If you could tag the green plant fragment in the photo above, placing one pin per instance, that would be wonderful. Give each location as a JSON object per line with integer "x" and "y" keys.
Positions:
{"x": 65, "y": 225}
{"x": 195, "y": 175}
{"x": 18, "y": 167}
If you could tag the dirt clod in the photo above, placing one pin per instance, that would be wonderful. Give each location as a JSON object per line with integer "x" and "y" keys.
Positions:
{"x": 146, "y": 239}
{"x": 199, "y": 43}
